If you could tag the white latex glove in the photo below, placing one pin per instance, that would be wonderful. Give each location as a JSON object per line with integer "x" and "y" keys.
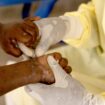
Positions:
{"x": 66, "y": 90}
{"x": 53, "y": 30}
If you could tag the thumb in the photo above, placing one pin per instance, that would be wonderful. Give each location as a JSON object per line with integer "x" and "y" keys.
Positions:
{"x": 42, "y": 47}
{"x": 59, "y": 73}
{"x": 27, "y": 51}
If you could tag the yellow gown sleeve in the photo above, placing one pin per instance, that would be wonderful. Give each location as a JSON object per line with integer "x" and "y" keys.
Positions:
{"x": 87, "y": 17}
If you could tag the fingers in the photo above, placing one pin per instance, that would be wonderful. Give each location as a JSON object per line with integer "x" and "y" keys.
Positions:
{"x": 10, "y": 44}
{"x": 64, "y": 64}
{"x": 10, "y": 48}
{"x": 30, "y": 32}
{"x": 23, "y": 38}
{"x": 30, "y": 21}
{"x": 62, "y": 61}
{"x": 30, "y": 27}
{"x": 57, "y": 56}
{"x": 68, "y": 69}
{"x": 26, "y": 50}
{"x": 25, "y": 32}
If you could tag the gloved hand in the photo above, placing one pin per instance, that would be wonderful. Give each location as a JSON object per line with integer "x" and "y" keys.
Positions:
{"x": 52, "y": 31}
{"x": 56, "y": 29}
{"x": 65, "y": 91}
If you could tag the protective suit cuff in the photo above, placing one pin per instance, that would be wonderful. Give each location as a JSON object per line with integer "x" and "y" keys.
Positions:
{"x": 86, "y": 30}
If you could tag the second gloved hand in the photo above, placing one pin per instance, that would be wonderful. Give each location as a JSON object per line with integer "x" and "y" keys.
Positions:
{"x": 65, "y": 91}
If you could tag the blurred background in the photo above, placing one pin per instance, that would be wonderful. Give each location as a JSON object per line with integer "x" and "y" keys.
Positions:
{"x": 13, "y": 13}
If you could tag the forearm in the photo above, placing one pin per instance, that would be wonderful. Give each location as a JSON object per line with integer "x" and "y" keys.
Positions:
{"x": 17, "y": 75}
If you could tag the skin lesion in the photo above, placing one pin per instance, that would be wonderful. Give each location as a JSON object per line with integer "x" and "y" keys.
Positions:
{"x": 48, "y": 74}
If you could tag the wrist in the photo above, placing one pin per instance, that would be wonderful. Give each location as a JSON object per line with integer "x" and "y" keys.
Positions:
{"x": 74, "y": 27}
{"x": 35, "y": 71}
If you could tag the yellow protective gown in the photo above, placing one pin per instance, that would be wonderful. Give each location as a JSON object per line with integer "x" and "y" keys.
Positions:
{"x": 86, "y": 55}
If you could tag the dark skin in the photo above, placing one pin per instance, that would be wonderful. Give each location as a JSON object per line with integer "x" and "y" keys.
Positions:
{"x": 25, "y": 32}
{"x": 20, "y": 74}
